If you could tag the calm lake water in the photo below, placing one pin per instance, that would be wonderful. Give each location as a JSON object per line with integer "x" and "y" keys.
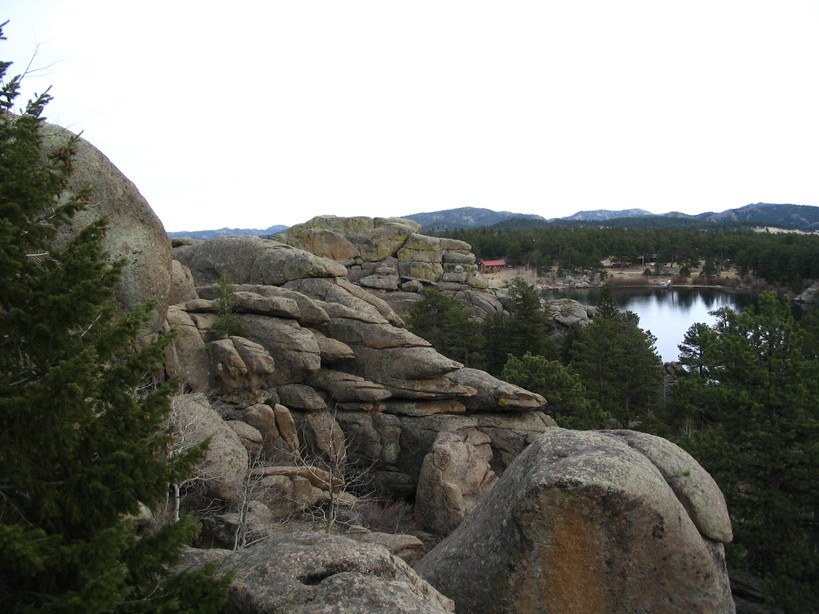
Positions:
{"x": 666, "y": 312}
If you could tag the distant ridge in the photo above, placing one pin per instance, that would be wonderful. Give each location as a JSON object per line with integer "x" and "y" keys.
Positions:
{"x": 224, "y": 232}
{"x": 467, "y": 217}
{"x": 800, "y": 217}
{"x": 605, "y": 214}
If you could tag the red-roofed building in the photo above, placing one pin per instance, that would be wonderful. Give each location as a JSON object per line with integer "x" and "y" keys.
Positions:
{"x": 488, "y": 266}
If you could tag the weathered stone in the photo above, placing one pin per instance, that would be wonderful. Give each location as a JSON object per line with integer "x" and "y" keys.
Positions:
{"x": 580, "y": 522}
{"x": 494, "y": 394}
{"x": 334, "y": 294}
{"x": 287, "y": 428}
{"x": 354, "y": 333}
{"x": 424, "y": 408}
{"x": 402, "y": 302}
{"x": 693, "y": 486}
{"x": 323, "y": 437}
{"x": 408, "y": 548}
{"x": 228, "y": 370}
{"x": 413, "y": 285}
{"x": 321, "y": 242}
{"x": 223, "y": 470}
{"x": 275, "y": 448}
{"x": 429, "y": 271}
{"x": 428, "y": 389}
{"x": 405, "y": 362}
{"x": 463, "y": 257}
{"x": 235, "y": 530}
{"x": 253, "y": 260}
{"x": 344, "y": 388}
{"x": 454, "y": 477}
{"x": 133, "y": 234}
{"x": 293, "y": 348}
{"x": 182, "y": 287}
{"x": 332, "y": 350}
{"x": 424, "y": 242}
{"x": 301, "y": 396}
{"x": 567, "y": 312}
{"x": 250, "y": 437}
{"x": 192, "y": 355}
{"x": 380, "y": 282}
{"x": 312, "y": 573}
{"x": 309, "y": 312}
{"x": 257, "y": 360}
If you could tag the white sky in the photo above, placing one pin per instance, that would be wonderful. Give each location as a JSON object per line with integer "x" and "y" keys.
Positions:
{"x": 252, "y": 113}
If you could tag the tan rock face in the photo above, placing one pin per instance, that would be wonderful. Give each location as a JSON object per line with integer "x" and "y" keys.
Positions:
{"x": 580, "y": 522}
{"x": 134, "y": 234}
{"x": 455, "y": 475}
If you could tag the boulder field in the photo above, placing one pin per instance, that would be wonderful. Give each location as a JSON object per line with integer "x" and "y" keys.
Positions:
{"x": 319, "y": 400}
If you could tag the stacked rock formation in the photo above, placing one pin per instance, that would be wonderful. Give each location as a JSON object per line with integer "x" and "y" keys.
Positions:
{"x": 314, "y": 343}
{"x": 390, "y": 258}
{"x": 321, "y": 365}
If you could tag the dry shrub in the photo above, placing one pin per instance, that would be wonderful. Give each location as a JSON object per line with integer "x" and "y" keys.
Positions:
{"x": 391, "y": 516}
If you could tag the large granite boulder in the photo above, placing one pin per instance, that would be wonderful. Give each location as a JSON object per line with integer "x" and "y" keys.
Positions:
{"x": 134, "y": 233}
{"x": 307, "y": 573}
{"x": 252, "y": 260}
{"x": 585, "y": 522}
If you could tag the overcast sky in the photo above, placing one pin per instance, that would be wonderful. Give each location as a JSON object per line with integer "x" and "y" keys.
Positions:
{"x": 251, "y": 113}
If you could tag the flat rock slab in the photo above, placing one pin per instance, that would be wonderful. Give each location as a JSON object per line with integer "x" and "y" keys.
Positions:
{"x": 308, "y": 573}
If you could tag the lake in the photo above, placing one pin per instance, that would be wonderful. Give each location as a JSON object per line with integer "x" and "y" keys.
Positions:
{"x": 666, "y": 312}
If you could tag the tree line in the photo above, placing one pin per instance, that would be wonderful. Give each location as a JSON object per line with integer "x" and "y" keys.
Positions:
{"x": 783, "y": 259}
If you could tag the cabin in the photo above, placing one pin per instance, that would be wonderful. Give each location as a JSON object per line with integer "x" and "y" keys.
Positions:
{"x": 492, "y": 266}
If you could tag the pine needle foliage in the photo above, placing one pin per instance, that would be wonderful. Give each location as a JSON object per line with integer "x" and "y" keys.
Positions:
{"x": 83, "y": 427}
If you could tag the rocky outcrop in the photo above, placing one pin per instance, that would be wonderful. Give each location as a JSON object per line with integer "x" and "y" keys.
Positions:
{"x": 391, "y": 259}
{"x": 309, "y": 573}
{"x": 588, "y": 522}
{"x": 134, "y": 235}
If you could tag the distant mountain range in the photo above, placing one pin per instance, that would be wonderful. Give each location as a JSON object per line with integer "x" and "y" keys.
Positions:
{"x": 224, "y": 232}
{"x": 801, "y": 217}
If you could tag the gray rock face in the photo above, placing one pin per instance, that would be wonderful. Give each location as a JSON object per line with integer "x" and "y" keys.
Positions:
{"x": 252, "y": 260}
{"x": 455, "y": 475}
{"x": 134, "y": 234}
{"x": 311, "y": 573}
{"x": 580, "y": 522}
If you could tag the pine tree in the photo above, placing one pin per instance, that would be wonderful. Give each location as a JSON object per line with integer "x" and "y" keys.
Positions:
{"x": 446, "y": 324}
{"x": 565, "y": 395}
{"x": 618, "y": 363}
{"x": 83, "y": 433}
{"x": 524, "y": 329}
{"x": 750, "y": 394}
